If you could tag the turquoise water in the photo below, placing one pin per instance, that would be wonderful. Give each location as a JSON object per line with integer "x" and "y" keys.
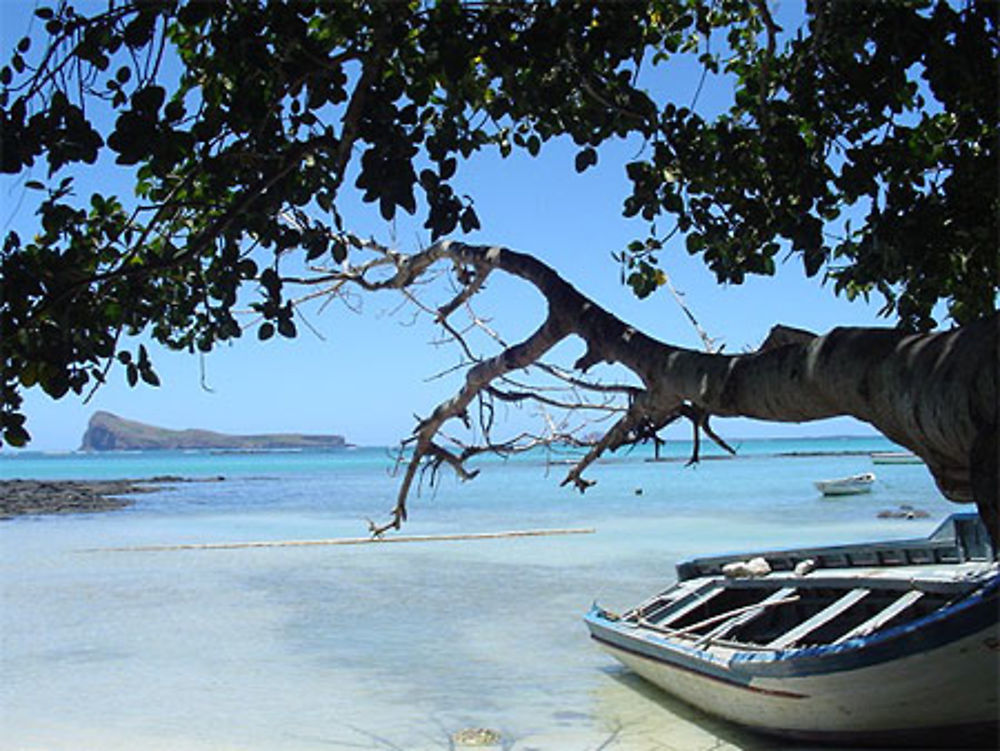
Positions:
{"x": 386, "y": 646}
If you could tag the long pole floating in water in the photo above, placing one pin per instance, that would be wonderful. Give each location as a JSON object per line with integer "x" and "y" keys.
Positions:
{"x": 344, "y": 541}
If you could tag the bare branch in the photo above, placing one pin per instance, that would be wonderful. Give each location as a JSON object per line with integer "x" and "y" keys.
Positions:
{"x": 794, "y": 377}
{"x": 706, "y": 340}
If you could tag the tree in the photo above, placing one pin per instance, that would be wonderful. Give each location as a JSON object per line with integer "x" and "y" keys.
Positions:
{"x": 240, "y": 124}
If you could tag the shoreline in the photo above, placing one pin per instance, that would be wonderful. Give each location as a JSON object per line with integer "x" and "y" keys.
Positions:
{"x": 33, "y": 497}
{"x": 44, "y": 497}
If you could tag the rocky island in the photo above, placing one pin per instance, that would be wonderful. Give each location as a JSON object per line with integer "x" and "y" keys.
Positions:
{"x": 108, "y": 432}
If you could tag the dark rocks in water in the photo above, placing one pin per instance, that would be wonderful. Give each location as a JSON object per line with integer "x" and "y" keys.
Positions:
{"x": 29, "y": 497}
{"x": 905, "y": 511}
{"x": 108, "y": 432}
{"x": 21, "y": 497}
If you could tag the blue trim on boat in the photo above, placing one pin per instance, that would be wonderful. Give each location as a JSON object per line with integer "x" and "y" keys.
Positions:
{"x": 658, "y": 648}
{"x": 954, "y": 533}
{"x": 699, "y": 669}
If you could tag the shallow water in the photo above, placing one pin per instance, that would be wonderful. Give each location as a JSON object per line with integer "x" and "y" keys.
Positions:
{"x": 383, "y": 646}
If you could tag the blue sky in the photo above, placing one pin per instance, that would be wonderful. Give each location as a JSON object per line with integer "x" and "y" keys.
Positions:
{"x": 371, "y": 372}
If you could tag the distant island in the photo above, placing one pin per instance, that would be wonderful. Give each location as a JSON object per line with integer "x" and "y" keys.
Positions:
{"x": 108, "y": 432}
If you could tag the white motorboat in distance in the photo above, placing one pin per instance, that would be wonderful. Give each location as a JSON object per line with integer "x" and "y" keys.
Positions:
{"x": 851, "y": 485}
{"x": 877, "y": 643}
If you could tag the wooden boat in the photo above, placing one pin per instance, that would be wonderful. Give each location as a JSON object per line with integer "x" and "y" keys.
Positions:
{"x": 882, "y": 642}
{"x": 895, "y": 457}
{"x": 847, "y": 485}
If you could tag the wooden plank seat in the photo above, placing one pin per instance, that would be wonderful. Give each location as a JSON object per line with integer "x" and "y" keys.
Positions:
{"x": 882, "y": 617}
{"x": 745, "y": 615}
{"x": 824, "y": 616}
{"x": 677, "y": 609}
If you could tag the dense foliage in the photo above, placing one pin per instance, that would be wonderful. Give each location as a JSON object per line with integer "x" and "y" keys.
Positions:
{"x": 238, "y": 123}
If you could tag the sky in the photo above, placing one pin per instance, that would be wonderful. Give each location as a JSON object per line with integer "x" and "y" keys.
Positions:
{"x": 366, "y": 374}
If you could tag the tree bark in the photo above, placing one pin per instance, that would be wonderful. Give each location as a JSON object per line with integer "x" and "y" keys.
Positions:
{"x": 935, "y": 394}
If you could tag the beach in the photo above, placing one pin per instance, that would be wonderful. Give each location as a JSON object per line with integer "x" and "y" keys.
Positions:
{"x": 384, "y": 646}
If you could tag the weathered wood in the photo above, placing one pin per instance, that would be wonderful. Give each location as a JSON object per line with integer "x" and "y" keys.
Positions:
{"x": 883, "y": 616}
{"x": 769, "y": 603}
{"x": 825, "y": 615}
{"x": 785, "y": 593}
{"x": 698, "y": 599}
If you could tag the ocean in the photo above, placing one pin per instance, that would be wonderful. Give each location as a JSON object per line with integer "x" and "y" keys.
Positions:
{"x": 388, "y": 646}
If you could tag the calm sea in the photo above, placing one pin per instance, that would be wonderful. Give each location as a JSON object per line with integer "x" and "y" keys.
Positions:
{"x": 386, "y": 646}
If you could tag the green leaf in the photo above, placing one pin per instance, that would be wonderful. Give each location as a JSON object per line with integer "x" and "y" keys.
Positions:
{"x": 15, "y": 435}
{"x": 339, "y": 250}
{"x": 139, "y": 31}
{"x": 469, "y": 220}
{"x": 270, "y": 281}
{"x": 387, "y": 208}
{"x": 29, "y": 375}
{"x": 148, "y": 100}
{"x": 695, "y": 243}
{"x": 585, "y": 158}
{"x": 813, "y": 260}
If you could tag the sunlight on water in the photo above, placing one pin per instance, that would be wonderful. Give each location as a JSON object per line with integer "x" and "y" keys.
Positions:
{"x": 382, "y": 646}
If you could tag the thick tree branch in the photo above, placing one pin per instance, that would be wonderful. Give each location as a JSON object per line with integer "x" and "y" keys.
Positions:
{"x": 935, "y": 393}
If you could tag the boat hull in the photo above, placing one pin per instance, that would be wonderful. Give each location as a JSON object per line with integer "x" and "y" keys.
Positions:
{"x": 847, "y": 485}
{"x": 931, "y": 677}
{"x": 827, "y": 489}
{"x": 880, "y": 702}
